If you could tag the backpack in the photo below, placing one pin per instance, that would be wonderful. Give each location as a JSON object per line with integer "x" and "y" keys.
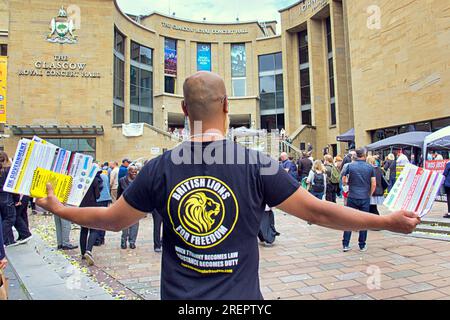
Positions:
{"x": 318, "y": 183}
{"x": 335, "y": 175}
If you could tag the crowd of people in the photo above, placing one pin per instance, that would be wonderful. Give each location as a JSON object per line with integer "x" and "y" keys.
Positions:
{"x": 191, "y": 266}
{"x": 107, "y": 186}
{"x": 359, "y": 179}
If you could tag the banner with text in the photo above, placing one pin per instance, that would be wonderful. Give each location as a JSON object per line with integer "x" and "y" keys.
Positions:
{"x": 436, "y": 165}
{"x": 238, "y": 60}
{"x": 3, "y": 76}
{"x": 203, "y": 57}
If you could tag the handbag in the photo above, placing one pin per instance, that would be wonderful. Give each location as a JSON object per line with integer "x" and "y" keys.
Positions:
{"x": 3, "y": 286}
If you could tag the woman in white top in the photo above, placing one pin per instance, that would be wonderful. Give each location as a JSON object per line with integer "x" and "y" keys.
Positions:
{"x": 317, "y": 180}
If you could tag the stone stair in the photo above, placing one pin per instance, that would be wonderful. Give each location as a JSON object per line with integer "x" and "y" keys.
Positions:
{"x": 46, "y": 274}
{"x": 433, "y": 228}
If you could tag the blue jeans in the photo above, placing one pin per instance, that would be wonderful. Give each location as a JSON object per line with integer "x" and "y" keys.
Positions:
{"x": 363, "y": 205}
{"x": 130, "y": 234}
{"x": 318, "y": 195}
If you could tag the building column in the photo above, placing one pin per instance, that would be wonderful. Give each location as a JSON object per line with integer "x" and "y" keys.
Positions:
{"x": 344, "y": 112}
{"x": 291, "y": 81}
{"x": 127, "y": 80}
{"x": 318, "y": 64}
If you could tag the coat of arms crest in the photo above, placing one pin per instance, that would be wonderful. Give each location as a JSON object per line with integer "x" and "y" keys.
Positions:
{"x": 62, "y": 29}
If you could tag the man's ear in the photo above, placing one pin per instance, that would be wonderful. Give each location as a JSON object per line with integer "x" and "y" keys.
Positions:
{"x": 225, "y": 105}
{"x": 184, "y": 108}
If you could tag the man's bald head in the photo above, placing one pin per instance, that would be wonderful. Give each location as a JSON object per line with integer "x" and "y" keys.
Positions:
{"x": 204, "y": 96}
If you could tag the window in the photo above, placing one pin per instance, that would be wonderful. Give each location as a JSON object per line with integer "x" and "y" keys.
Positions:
{"x": 169, "y": 84}
{"x": 83, "y": 145}
{"x": 333, "y": 113}
{"x": 271, "y": 91}
{"x": 3, "y": 49}
{"x": 239, "y": 87}
{"x": 303, "y": 47}
{"x": 239, "y": 69}
{"x": 331, "y": 73}
{"x": 306, "y": 117}
{"x": 305, "y": 82}
{"x": 203, "y": 57}
{"x": 305, "y": 89}
{"x": 119, "y": 79}
{"x": 141, "y": 84}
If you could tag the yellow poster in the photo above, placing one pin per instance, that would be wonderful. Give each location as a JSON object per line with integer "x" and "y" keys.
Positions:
{"x": 3, "y": 71}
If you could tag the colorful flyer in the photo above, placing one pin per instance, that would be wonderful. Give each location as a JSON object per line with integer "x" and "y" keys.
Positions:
{"x": 415, "y": 190}
{"x": 37, "y": 162}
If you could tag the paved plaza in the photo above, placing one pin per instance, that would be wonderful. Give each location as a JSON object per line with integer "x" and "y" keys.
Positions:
{"x": 306, "y": 262}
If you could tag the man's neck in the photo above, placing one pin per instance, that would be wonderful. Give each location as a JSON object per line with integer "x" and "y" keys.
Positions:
{"x": 207, "y": 134}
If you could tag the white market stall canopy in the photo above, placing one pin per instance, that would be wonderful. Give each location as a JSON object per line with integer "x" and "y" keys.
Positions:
{"x": 438, "y": 140}
{"x": 246, "y": 132}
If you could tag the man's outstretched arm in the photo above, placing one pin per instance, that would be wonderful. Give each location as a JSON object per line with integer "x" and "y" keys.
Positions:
{"x": 114, "y": 218}
{"x": 327, "y": 214}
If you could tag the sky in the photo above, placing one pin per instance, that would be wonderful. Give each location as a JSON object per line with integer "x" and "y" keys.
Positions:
{"x": 212, "y": 10}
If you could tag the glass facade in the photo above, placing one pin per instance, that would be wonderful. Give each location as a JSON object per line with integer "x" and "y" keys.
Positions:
{"x": 305, "y": 82}
{"x": 141, "y": 84}
{"x": 239, "y": 69}
{"x": 331, "y": 73}
{"x": 271, "y": 91}
{"x": 119, "y": 78}
{"x": 428, "y": 126}
{"x": 82, "y": 145}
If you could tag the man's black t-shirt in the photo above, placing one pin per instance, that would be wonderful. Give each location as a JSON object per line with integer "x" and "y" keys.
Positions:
{"x": 211, "y": 214}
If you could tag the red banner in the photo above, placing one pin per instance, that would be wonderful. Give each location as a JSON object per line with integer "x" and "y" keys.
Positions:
{"x": 436, "y": 165}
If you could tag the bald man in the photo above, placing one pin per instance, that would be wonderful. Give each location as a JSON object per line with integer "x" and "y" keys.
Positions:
{"x": 211, "y": 194}
{"x": 288, "y": 165}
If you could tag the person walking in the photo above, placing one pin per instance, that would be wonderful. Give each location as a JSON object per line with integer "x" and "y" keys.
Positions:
{"x": 447, "y": 187}
{"x": 333, "y": 177}
{"x": 304, "y": 166}
{"x": 103, "y": 201}
{"x": 377, "y": 197}
{"x": 390, "y": 169}
{"x": 21, "y": 224}
{"x": 129, "y": 234}
{"x": 157, "y": 223}
{"x": 288, "y": 165}
{"x": 114, "y": 180}
{"x": 3, "y": 260}
{"x": 402, "y": 159}
{"x": 8, "y": 203}
{"x": 360, "y": 177}
{"x": 211, "y": 218}
{"x": 123, "y": 168}
{"x": 317, "y": 180}
{"x": 347, "y": 159}
{"x": 88, "y": 236}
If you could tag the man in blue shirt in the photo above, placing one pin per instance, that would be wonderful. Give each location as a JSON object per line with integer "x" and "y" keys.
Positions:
{"x": 360, "y": 177}
{"x": 288, "y": 165}
{"x": 447, "y": 187}
{"x": 123, "y": 170}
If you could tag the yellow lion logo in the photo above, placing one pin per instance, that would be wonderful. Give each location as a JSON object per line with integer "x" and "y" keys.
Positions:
{"x": 199, "y": 210}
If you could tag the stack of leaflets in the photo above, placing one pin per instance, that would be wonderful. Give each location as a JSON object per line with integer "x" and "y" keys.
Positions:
{"x": 415, "y": 190}
{"x": 38, "y": 162}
